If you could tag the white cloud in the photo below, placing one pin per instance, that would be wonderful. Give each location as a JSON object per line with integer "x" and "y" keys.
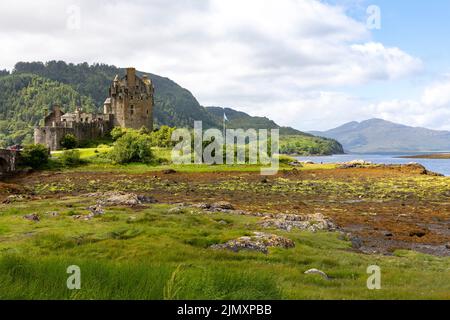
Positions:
{"x": 280, "y": 59}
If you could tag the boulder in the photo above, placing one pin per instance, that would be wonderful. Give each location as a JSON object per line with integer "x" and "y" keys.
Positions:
{"x": 32, "y": 217}
{"x": 96, "y": 210}
{"x": 121, "y": 198}
{"x": 222, "y": 205}
{"x": 316, "y": 271}
{"x": 312, "y": 222}
{"x": 258, "y": 242}
{"x": 357, "y": 243}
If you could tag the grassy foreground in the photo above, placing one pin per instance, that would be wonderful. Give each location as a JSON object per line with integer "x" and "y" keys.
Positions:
{"x": 151, "y": 253}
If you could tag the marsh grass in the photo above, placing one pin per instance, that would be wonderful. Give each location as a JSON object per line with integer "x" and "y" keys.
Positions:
{"x": 151, "y": 253}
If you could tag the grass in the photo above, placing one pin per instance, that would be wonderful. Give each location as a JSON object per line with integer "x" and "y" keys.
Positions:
{"x": 95, "y": 160}
{"x": 149, "y": 253}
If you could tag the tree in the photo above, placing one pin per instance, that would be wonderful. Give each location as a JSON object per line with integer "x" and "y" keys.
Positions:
{"x": 34, "y": 155}
{"x": 69, "y": 141}
{"x": 132, "y": 147}
{"x": 163, "y": 137}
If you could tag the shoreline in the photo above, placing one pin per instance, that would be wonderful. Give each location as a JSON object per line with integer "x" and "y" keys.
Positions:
{"x": 428, "y": 156}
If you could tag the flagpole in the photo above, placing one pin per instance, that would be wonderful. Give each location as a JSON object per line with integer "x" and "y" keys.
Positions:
{"x": 224, "y": 126}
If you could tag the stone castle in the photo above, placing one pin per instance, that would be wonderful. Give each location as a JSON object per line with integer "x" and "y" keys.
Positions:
{"x": 129, "y": 105}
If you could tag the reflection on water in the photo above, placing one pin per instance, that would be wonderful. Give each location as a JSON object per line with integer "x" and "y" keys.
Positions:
{"x": 435, "y": 165}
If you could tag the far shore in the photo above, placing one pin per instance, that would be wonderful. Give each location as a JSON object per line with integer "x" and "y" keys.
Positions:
{"x": 428, "y": 156}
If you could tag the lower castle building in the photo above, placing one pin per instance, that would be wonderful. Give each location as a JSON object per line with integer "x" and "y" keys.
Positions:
{"x": 129, "y": 105}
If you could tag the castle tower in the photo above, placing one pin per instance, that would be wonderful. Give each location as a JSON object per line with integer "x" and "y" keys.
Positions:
{"x": 131, "y": 101}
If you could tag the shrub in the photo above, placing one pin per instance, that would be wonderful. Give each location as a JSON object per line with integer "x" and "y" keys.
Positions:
{"x": 117, "y": 133}
{"x": 69, "y": 141}
{"x": 163, "y": 137}
{"x": 35, "y": 156}
{"x": 70, "y": 158}
{"x": 132, "y": 147}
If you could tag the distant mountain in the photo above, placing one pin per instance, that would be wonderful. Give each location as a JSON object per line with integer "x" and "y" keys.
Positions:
{"x": 33, "y": 87}
{"x": 381, "y": 136}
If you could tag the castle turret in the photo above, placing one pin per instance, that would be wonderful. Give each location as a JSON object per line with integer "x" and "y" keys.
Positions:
{"x": 131, "y": 101}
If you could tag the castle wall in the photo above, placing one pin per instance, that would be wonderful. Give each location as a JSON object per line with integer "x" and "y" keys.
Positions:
{"x": 129, "y": 105}
{"x": 51, "y": 136}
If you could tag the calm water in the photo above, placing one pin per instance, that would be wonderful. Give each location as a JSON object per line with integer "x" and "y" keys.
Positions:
{"x": 436, "y": 165}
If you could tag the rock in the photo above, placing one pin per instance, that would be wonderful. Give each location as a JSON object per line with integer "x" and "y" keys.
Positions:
{"x": 176, "y": 210}
{"x": 32, "y": 217}
{"x": 120, "y": 198}
{"x": 169, "y": 171}
{"x": 258, "y": 242}
{"x": 311, "y": 222}
{"x": 83, "y": 217}
{"x": 222, "y": 205}
{"x": 355, "y": 164}
{"x": 316, "y": 271}
{"x": 96, "y": 210}
{"x": 264, "y": 180}
{"x": 357, "y": 243}
{"x": 222, "y": 222}
{"x": 417, "y": 233}
{"x": 52, "y": 214}
{"x": 15, "y": 198}
{"x": 202, "y": 205}
{"x": 307, "y": 162}
{"x": 447, "y": 246}
{"x": 146, "y": 199}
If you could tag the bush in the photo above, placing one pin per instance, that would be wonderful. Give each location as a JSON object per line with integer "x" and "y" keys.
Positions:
{"x": 132, "y": 147}
{"x": 69, "y": 141}
{"x": 35, "y": 156}
{"x": 117, "y": 133}
{"x": 70, "y": 158}
{"x": 163, "y": 137}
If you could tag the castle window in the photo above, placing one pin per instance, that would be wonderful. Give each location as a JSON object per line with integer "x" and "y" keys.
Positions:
{"x": 131, "y": 109}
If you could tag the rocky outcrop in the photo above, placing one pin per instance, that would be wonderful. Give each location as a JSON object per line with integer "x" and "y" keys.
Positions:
{"x": 120, "y": 198}
{"x": 258, "y": 242}
{"x": 312, "y": 222}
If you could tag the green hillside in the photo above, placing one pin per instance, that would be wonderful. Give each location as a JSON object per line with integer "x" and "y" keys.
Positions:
{"x": 292, "y": 141}
{"x": 24, "y": 99}
{"x": 33, "y": 87}
{"x": 174, "y": 105}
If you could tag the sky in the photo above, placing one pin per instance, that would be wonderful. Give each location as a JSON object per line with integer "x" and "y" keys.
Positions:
{"x": 310, "y": 64}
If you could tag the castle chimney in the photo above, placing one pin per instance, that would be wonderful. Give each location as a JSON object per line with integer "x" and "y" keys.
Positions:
{"x": 131, "y": 77}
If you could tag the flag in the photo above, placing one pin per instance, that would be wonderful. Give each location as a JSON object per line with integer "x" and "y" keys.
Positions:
{"x": 225, "y": 117}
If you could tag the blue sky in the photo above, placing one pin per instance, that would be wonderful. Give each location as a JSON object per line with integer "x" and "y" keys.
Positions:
{"x": 309, "y": 64}
{"x": 420, "y": 28}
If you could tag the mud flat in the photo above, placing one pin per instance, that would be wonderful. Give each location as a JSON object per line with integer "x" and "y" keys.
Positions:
{"x": 386, "y": 207}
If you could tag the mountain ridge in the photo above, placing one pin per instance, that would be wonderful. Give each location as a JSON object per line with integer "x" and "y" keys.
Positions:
{"x": 382, "y": 136}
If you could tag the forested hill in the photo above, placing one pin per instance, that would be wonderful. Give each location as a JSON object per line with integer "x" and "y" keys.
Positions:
{"x": 33, "y": 87}
{"x": 174, "y": 105}
{"x": 239, "y": 119}
{"x": 24, "y": 99}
